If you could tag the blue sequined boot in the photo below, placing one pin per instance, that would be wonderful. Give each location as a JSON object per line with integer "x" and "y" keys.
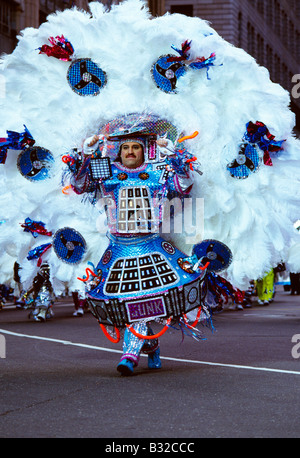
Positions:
{"x": 154, "y": 361}
{"x": 125, "y": 367}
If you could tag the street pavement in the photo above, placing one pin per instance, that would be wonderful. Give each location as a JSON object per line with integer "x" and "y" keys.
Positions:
{"x": 59, "y": 380}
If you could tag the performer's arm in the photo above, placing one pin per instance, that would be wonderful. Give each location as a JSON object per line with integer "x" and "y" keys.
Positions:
{"x": 182, "y": 179}
{"x": 183, "y": 183}
{"x": 81, "y": 180}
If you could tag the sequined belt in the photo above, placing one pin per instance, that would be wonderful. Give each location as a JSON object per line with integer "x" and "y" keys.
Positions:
{"x": 172, "y": 303}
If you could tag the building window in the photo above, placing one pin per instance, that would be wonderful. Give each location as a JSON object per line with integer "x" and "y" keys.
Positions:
{"x": 270, "y": 12}
{"x": 292, "y": 39}
{"x": 155, "y": 7}
{"x": 240, "y": 30}
{"x": 277, "y": 17}
{"x": 285, "y": 76}
{"x": 269, "y": 59}
{"x": 260, "y": 49}
{"x": 251, "y": 45}
{"x": 285, "y": 26}
{"x": 188, "y": 10}
{"x": 7, "y": 18}
{"x": 260, "y": 6}
{"x": 277, "y": 75}
{"x": 53, "y": 5}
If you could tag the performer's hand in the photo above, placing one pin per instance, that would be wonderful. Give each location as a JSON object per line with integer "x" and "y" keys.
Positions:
{"x": 91, "y": 144}
{"x": 94, "y": 140}
{"x": 162, "y": 142}
{"x": 166, "y": 147}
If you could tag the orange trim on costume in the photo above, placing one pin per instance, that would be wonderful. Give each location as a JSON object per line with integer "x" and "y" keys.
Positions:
{"x": 87, "y": 271}
{"x": 196, "y": 320}
{"x": 192, "y": 159}
{"x": 140, "y": 336}
{"x": 116, "y": 340}
{"x": 188, "y": 137}
{"x": 65, "y": 189}
{"x": 205, "y": 266}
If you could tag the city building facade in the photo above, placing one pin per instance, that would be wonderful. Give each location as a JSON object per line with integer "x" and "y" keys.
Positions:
{"x": 269, "y": 30}
{"x": 16, "y": 15}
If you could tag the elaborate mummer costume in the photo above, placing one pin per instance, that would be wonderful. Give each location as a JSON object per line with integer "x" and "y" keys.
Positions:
{"x": 141, "y": 276}
{"x": 99, "y": 66}
{"x": 40, "y": 297}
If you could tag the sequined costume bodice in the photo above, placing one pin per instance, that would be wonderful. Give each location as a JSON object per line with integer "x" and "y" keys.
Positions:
{"x": 133, "y": 198}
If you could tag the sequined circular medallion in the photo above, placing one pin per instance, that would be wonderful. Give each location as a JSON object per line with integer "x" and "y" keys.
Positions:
{"x": 216, "y": 253}
{"x": 122, "y": 176}
{"x": 85, "y": 77}
{"x": 144, "y": 176}
{"x": 168, "y": 247}
{"x": 247, "y": 161}
{"x": 69, "y": 245}
{"x": 106, "y": 257}
{"x": 34, "y": 163}
{"x": 193, "y": 295}
{"x": 166, "y": 73}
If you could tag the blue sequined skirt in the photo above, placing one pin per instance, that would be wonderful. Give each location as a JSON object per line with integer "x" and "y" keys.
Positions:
{"x": 143, "y": 278}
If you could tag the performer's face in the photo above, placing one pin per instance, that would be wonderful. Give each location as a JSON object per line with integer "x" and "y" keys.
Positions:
{"x": 132, "y": 155}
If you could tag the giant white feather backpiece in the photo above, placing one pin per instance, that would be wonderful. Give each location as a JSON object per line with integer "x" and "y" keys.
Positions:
{"x": 249, "y": 157}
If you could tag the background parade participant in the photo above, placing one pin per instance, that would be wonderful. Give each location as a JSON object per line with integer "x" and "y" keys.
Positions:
{"x": 42, "y": 295}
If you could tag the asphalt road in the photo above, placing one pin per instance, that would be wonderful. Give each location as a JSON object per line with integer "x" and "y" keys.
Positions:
{"x": 59, "y": 380}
